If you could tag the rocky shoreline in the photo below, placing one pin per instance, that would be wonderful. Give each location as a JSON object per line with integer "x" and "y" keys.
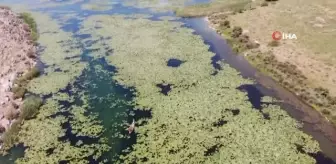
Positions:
{"x": 18, "y": 55}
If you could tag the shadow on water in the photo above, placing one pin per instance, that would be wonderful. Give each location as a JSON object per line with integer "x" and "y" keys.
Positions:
{"x": 313, "y": 123}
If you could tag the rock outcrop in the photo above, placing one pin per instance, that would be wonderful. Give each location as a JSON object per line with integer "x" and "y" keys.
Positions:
{"x": 17, "y": 56}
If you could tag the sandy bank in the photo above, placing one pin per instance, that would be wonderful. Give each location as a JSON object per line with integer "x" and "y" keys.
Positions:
{"x": 17, "y": 57}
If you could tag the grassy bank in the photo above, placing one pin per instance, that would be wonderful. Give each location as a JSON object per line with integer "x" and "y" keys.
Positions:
{"x": 29, "y": 20}
{"x": 268, "y": 55}
{"x": 20, "y": 83}
{"x": 29, "y": 109}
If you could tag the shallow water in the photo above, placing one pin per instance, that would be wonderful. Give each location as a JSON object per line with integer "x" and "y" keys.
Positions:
{"x": 105, "y": 94}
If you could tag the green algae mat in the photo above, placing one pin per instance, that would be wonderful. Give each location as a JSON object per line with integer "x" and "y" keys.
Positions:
{"x": 114, "y": 66}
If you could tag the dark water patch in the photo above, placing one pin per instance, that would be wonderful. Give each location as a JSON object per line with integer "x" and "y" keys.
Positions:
{"x": 109, "y": 52}
{"x": 266, "y": 116}
{"x": 219, "y": 123}
{"x": 67, "y": 90}
{"x": 140, "y": 114}
{"x": 72, "y": 57}
{"x": 50, "y": 151}
{"x": 14, "y": 153}
{"x": 319, "y": 157}
{"x": 106, "y": 66}
{"x": 212, "y": 150}
{"x": 72, "y": 25}
{"x": 74, "y": 139}
{"x": 44, "y": 97}
{"x": 64, "y": 162}
{"x": 174, "y": 62}
{"x": 235, "y": 112}
{"x": 214, "y": 73}
{"x": 58, "y": 70}
{"x": 82, "y": 36}
{"x": 165, "y": 88}
{"x": 214, "y": 62}
{"x": 253, "y": 94}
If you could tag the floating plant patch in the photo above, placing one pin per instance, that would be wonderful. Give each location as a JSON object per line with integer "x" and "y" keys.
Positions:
{"x": 181, "y": 128}
{"x": 174, "y": 62}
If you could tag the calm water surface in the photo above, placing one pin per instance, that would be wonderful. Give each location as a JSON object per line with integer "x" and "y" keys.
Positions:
{"x": 105, "y": 94}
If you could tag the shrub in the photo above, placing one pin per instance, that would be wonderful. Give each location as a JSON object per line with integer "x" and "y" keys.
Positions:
{"x": 18, "y": 92}
{"x": 271, "y": 0}
{"x": 326, "y": 112}
{"x": 274, "y": 43}
{"x": 11, "y": 113}
{"x": 251, "y": 45}
{"x": 30, "y": 107}
{"x": 9, "y": 138}
{"x": 5, "y": 7}
{"x": 264, "y": 4}
{"x": 28, "y": 19}
{"x": 237, "y": 31}
{"x": 226, "y": 24}
{"x": 32, "y": 73}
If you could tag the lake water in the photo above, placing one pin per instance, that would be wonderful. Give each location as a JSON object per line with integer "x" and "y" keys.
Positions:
{"x": 112, "y": 103}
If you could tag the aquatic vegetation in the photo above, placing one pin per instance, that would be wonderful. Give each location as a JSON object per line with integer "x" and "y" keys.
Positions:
{"x": 206, "y": 9}
{"x": 54, "y": 81}
{"x": 41, "y": 135}
{"x": 98, "y": 5}
{"x": 30, "y": 107}
{"x": 58, "y": 46}
{"x": 156, "y": 5}
{"x": 169, "y": 18}
{"x": 29, "y": 20}
{"x": 191, "y": 123}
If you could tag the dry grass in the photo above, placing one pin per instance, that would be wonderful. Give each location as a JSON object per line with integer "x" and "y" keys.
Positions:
{"x": 234, "y": 6}
{"x": 307, "y": 65}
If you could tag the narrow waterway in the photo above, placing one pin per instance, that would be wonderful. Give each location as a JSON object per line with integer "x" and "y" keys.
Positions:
{"x": 112, "y": 102}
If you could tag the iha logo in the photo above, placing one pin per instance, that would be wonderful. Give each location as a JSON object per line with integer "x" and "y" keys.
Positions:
{"x": 277, "y": 35}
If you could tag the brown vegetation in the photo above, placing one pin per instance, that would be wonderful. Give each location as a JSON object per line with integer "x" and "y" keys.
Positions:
{"x": 17, "y": 58}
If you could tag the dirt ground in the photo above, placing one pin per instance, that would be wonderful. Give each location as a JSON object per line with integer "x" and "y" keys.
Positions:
{"x": 15, "y": 46}
{"x": 314, "y": 24}
{"x": 307, "y": 65}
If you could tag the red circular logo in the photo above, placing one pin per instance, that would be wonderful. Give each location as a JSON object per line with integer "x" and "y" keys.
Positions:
{"x": 276, "y": 35}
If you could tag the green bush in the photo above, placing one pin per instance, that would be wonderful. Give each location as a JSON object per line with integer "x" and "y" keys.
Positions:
{"x": 18, "y": 92}
{"x": 30, "y": 107}
{"x": 32, "y": 73}
{"x": 274, "y": 43}
{"x": 9, "y": 138}
{"x": 28, "y": 19}
{"x": 225, "y": 24}
{"x": 264, "y": 4}
{"x": 237, "y": 31}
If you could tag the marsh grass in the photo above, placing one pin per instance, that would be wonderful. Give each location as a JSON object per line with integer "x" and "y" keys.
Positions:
{"x": 21, "y": 83}
{"x": 10, "y": 137}
{"x": 200, "y": 10}
{"x": 18, "y": 92}
{"x": 274, "y": 43}
{"x": 29, "y": 110}
{"x": 28, "y": 19}
{"x": 263, "y": 4}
